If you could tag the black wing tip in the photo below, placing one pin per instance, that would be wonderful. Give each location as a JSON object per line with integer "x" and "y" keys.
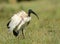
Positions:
{"x": 8, "y": 24}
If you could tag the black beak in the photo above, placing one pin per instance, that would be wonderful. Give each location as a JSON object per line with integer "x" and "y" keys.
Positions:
{"x": 30, "y": 11}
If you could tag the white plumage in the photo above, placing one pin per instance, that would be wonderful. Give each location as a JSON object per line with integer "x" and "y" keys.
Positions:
{"x": 17, "y": 20}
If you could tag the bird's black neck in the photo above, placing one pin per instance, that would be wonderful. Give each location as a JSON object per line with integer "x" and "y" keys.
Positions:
{"x": 29, "y": 12}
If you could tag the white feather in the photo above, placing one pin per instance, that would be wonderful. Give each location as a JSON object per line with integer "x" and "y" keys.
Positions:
{"x": 17, "y": 18}
{"x": 23, "y": 22}
{"x": 14, "y": 22}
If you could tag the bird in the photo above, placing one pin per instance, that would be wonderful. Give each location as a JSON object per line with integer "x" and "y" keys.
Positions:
{"x": 18, "y": 21}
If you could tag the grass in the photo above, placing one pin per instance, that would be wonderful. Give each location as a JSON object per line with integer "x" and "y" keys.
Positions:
{"x": 46, "y": 30}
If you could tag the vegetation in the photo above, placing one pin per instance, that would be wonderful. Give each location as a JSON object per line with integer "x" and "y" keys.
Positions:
{"x": 13, "y": 1}
{"x": 46, "y": 30}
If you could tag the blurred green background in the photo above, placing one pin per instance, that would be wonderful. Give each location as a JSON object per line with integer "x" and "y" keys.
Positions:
{"x": 46, "y": 30}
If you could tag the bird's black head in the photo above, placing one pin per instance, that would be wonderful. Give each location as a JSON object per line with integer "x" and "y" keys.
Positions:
{"x": 30, "y": 11}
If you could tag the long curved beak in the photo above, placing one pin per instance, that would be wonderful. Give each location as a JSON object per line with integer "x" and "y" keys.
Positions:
{"x": 30, "y": 11}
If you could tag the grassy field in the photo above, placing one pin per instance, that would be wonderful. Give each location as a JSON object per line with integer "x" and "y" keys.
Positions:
{"x": 46, "y": 30}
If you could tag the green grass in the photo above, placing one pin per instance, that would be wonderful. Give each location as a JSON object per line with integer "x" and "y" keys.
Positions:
{"x": 46, "y": 30}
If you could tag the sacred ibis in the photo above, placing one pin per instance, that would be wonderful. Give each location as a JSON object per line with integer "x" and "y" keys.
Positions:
{"x": 17, "y": 21}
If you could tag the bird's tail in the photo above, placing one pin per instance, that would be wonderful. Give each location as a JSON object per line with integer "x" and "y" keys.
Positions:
{"x": 31, "y": 11}
{"x": 15, "y": 33}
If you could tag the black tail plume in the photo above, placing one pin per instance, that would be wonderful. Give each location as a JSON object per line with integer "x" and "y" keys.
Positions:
{"x": 15, "y": 33}
{"x": 30, "y": 11}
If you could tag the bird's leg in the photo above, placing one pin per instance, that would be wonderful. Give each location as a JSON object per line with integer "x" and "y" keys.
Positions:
{"x": 23, "y": 34}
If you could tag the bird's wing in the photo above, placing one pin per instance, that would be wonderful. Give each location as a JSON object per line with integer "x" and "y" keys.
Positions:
{"x": 15, "y": 20}
{"x": 23, "y": 22}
